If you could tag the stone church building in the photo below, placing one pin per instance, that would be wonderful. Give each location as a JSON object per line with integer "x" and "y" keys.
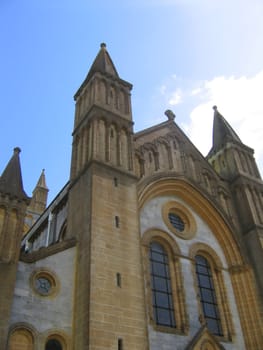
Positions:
{"x": 149, "y": 245}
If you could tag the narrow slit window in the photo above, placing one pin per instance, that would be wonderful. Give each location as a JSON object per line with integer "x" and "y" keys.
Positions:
{"x": 115, "y": 180}
{"x": 118, "y": 279}
{"x": 117, "y": 221}
{"x": 120, "y": 344}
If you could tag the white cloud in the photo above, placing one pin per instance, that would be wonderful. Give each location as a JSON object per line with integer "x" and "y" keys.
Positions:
{"x": 239, "y": 101}
{"x": 175, "y": 98}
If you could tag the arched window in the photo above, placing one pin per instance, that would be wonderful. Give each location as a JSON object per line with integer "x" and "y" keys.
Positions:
{"x": 53, "y": 344}
{"x": 208, "y": 295}
{"x": 162, "y": 299}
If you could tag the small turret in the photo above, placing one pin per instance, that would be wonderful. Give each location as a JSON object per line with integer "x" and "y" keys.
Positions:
{"x": 228, "y": 155}
{"x": 13, "y": 205}
{"x": 11, "y": 183}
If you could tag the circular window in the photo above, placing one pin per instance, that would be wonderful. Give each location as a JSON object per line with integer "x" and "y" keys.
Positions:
{"x": 44, "y": 283}
{"x": 179, "y": 220}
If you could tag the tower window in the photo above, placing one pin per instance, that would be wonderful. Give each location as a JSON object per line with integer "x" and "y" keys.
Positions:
{"x": 115, "y": 180}
{"x": 117, "y": 221}
{"x": 120, "y": 344}
{"x": 208, "y": 295}
{"x": 118, "y": 279}
{"x": 162, "y": 300}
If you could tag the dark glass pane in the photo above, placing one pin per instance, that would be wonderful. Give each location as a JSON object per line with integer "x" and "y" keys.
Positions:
{"x": 202, "y": 269}
{"x": 163, "y": 317}
{"x": 209, "y": 310}
{"x": 204, "y": 281}
{"x": 176, "y": 221}
{"x": 207, "y": 295}
{"x": 156, "y": 247}
{"x": 201, "y": 260}
{"x": 158, "y": 268}
{"x": 53, "y": 344}
{"x": 162, "y": 299}
{"x": 159, "y": 284}
{"x": 214, "y": 326}
{"x": 158, "y": 257}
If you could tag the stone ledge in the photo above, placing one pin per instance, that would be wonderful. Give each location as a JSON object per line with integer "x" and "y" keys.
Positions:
{"x": 44, "y": 252}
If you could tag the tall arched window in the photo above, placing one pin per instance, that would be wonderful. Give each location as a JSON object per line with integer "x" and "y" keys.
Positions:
{"x": 162, "y": 299}
{"x": 53, "y": 344}
{"x": 208, "y": 295}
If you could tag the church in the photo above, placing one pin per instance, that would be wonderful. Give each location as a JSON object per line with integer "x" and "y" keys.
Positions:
{"x": 148, "y": 246}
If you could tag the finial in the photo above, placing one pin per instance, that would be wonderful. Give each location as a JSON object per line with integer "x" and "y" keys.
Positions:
{"x": 215, "y": 108}
{"x": 169, "y": 114}
{"x": 103, "y": 46}
{"x": 17, "y": 150}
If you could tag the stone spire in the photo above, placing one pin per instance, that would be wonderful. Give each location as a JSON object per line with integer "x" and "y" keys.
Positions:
{"x": 11, "y": 180}
{"x": 222, "y": 132}
{"x": 102, "y": 64}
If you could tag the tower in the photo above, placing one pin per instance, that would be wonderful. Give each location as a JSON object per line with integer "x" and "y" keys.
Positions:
{"x": 103, "y": 215}
{"x": 13, "y": 204}
{"x": 235, "y": 162}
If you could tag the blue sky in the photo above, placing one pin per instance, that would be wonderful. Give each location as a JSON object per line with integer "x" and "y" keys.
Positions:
{"x": 184, "y": 55}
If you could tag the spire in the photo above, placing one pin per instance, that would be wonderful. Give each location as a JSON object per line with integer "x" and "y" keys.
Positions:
{"x": 39, "y": 199}
{"x": 11, "y": 180}
{"x": 222, "y": 132}
{"x": 102, "y": 64}
{"x": 42, "y": 180}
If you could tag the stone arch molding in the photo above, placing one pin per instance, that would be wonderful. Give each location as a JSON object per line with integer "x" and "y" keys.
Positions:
{"x": 59, "y": 335}
{"x": 22, "y": 336}
{"x": 203, "y": 207}
{"x": 162, "y": 237}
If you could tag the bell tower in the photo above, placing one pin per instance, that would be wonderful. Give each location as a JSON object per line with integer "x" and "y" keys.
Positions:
{"x": 103, "y": 214}
{"x": 13, "y": 205}
{"x": 235, "y": 162}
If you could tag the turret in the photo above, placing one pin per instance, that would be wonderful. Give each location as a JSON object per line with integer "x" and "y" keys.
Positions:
{"x": 229, "y": 156}
{"x": 235, "y": 163}
{"x": 13, "y": 204}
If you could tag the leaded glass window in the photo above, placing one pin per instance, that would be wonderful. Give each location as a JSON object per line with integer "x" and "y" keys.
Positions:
{"x": 208, "y": 295}
{"x": 162, "y": 298}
